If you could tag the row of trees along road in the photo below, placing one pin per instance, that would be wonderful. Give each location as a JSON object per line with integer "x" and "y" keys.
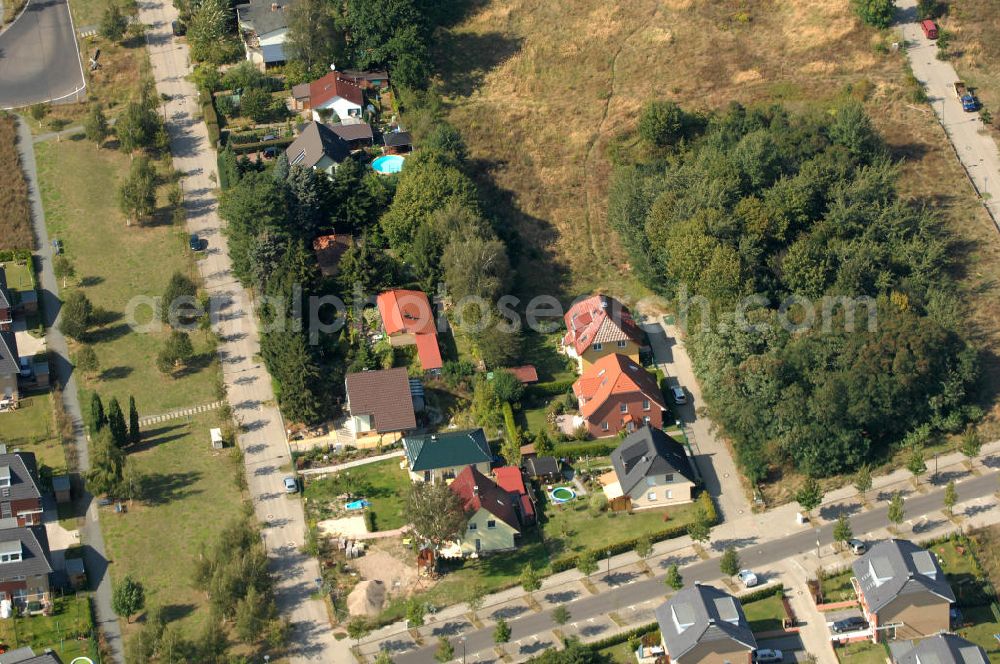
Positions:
{"x": 760, "y": 202}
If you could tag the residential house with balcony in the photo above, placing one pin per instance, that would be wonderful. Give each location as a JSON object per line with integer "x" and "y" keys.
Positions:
{"x": 440, "y": 457}
{"x": 704, "y": 625}
{"x": 25, "y": 565}
{"x": 599, "y": 326}
{"x": 380, "y": 404}
{"x": 616, "y": 394}
{"x": 650, "y": 469}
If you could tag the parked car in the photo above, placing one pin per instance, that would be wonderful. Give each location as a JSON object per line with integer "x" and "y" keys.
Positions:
{"x": 57, "y": 247}
{"x": 857, "y": 546}
{"x": 852, "y": 624}
{"x": 680, "y": 396}
{"x": 194, "y": 242}
{"x": 768, "y": 655}
{"x": 27, "y": 370}
{"x": 929, "y": 28}
{"x": 270, "y": 153}
{"x": 269, "y": 137}
{"x": 291, "y": 485}
{"x": 747, "y": 578}
{"x": 178, "y": 28}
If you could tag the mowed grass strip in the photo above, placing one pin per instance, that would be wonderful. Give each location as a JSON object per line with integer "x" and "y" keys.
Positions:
{"x": 116, "y": 264}
{"x": 15, "y": 210}
{"x": 384, "y": 484}
{"x": 31, "y": 428}
{"x": 189, "y": 495}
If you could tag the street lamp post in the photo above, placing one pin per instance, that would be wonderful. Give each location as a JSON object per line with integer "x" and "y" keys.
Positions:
{"x": 818, "y": 554}
{"x": 463, "y": 650}
{"x": 609, "y": 563}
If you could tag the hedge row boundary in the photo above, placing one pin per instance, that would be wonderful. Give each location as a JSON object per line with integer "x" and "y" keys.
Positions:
{"x": 210, "y": 116}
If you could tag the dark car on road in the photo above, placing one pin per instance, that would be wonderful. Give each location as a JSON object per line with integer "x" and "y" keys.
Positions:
{"x": 57, "y": 247}
{"x": 195, "y": 242}
{"x": 852, "y": 624}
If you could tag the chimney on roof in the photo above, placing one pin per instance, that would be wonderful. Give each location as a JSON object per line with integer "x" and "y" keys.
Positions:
{"x": 475, "y": 490}
{"x": 433, "y": 438}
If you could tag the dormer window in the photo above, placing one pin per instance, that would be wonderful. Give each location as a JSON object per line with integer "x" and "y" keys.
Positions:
{"x": 4, "y": 476}
{"x": 10, "y": 552}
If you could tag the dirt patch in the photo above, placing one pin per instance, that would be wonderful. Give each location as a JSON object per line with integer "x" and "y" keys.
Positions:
{"x": 391, "y": 564}
{"x": 350, "y": 526}
{"x": 366, "y": 599}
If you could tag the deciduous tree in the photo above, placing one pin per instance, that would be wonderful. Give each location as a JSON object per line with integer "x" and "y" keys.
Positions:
{"x": 501, "y": 633}
{"x": 95, "y": 127}
{"x": 809, "y": 495}
{"x": 86, "y": 360}
{"x": 76, "y": 315}
{"x": 896, "y": 509}
{"x": 436, "y": 512}
{"x": 729, "y": 564}
{"x": 137, "y": 194}
{"x": 842, "y": 529}
{"x": 950, "y": 496}
{"x": 128, "y": 597}
{"x": 673, "y": 579}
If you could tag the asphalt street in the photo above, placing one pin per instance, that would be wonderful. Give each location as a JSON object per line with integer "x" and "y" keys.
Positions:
{"x": 39, "y": 57}
{"x": 753, "y": 554}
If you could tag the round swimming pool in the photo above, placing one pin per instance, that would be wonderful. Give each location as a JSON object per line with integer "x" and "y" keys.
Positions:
{"x": 390, "y": 163}
{"x": 562, "y": 494}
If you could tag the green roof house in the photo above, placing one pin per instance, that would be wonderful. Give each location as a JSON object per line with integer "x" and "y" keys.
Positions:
{"x": 439, "y": 457}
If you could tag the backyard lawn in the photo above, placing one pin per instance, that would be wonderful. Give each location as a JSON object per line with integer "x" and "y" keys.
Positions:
{"x": 31, "y": 428}
{"x": 765, "y": 615}
{"x": 384, "y": 484}
{"x": 189, "y": 496}
{"x": 67, "y": 631}
{"x": 862, "y": 652}
{"x": 838, "y": 588}
{"x": 115, "y": 264}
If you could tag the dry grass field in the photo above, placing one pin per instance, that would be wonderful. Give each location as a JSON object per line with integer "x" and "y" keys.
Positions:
{"x": 975, "y": 26}
{"x": 545, "y": 93}
{"x": 15, "y": 210}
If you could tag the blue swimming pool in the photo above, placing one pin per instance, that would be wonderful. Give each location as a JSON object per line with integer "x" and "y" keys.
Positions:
{"x": 390, "y": 163}
{"x": 357, "y": 504}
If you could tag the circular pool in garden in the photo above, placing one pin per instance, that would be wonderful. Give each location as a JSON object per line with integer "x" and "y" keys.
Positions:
{"x": 562, "y": 494}
{"x": 388, "y": 164}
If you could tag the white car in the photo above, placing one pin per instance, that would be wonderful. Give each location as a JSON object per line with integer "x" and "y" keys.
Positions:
{"x": 768, "y": 655}
{"x": 747, "y": 578}
{"x": 291, "y": 485}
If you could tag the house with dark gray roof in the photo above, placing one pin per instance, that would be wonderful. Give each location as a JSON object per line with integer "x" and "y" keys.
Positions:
{"x": 397, "y": 142}
{"x": 650, "y": 469}
{"x": 264, "y": 28}
{"x": 27, "y": 656}
{"x": 318, "y": 148}
{"x": 10, "y": 371}
{"x": 439, "y": 457}
{"x": 706, "y": 625}
{"x": 20, "y": 496}
{"x": 940, "y": 649}
{"x": 6, "y": 305}
{"x": 380, "y": 404}
{"x": 357, "y": 134}
{"x": 903, "y": 591}
{"x": 25, "y": 565}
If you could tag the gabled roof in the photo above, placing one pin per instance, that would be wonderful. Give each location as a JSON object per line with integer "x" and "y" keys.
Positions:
{"x": 599, "y": 319}
{"x": 27, "y": 656}
{"x": 444, "y": 450}
{"x": 264, "y": 16}
{"x": 333, "y": 85}
{"x": 699, "y": 614}
{"x": 395, "y": 139}
{"x": 316, "y": 141}
{"x": 384, "y": 396}
{"x": 944, "y": 649}
{"x": 611, "y": 376}
{"x": 894, "y": 568}
{"x": 480, "y": 492}
{"x": 525, "y": 374}
{"x": 428, "y": 352}
{"x": 509, "y": 478}
{"x": 34, "y": 548}
{"x": 353, "y": 132}
{"x": 9, "y": 359}
{"x": 647, "y": 452}
{"x": 406, "y": 311}
{"x": 23, "y": 472}
{"x": 541, "y": 466}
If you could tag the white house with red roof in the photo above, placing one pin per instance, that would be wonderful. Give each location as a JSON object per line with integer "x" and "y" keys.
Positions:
{"x": 617, "y": 394}
{"x": 333, "y": 92}
{"x": 599, "y": 326}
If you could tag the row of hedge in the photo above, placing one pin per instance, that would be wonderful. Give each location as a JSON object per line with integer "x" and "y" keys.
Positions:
{"x": 513, "y": 435}
{"x": 590, "y": 448}
{"x": 551, "y": 389}
{"x": 211, "y": 118}
{"x": 15, "y": 255}
{"x": 622, "y": 637}
{"x": 676, "y": 530}
{"x": 763, "y": 593}
{"x": 247, "y": 148}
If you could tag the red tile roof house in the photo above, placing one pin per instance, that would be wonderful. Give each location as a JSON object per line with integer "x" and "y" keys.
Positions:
{"x": 20, "y": 496}
{"x": 617, "y": 394}
{"x": 510, "y": 479}
{"x": 380, "y": 405}
{"x": 492, "y": 525}
{"x": 408, "y": 319}
{"x": 597, "y": 327}
{"x": 334, "y": 93}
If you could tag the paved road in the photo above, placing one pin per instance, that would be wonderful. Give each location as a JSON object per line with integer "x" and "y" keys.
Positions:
{"x": 975, "y": 147}
{"x": 757, "y": 553}
{"x": 718, "y": 470}
{"x": 95, "y": 557}
{"x": 39, "y": 57}
{"x": 248, "y": 383}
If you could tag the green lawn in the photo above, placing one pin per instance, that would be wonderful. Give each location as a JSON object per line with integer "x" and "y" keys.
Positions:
{"x": 32, "y": 429}
{"x": 570, "y": 528}
{"x": 619, "y": 654}
{"x": 765, "y": 615}
{"x": 838, "y": 588}
{"x": 542, "y": 351}
{"x": 383, "y": 484}
{"x": 984, "y": 626}
{"x": 19, "y": 277}
{"x": 67, "y": 631}
{"x": 862, "y": 652}
{"x": 189, "y": 496}
{"x": 114, "y": 265}
{"x": 533, "y": 419}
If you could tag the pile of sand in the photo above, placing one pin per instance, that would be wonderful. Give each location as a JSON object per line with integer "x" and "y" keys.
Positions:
{"x": 366, "y": 599}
